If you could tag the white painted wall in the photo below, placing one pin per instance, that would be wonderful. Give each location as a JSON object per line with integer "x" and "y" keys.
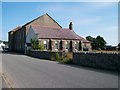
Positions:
{"x": 30, "y": 35}
{"x": 1, "y": 44}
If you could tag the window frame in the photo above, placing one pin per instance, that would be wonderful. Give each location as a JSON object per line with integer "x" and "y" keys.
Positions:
{"x": 45, "y": 44}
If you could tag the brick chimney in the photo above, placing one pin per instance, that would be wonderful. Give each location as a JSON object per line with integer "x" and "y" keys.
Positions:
{"x": 71, "y": 26}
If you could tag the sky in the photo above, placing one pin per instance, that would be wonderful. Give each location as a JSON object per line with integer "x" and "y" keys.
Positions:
{"x": 89, "y": 18}
{"x": 0, "y": 21}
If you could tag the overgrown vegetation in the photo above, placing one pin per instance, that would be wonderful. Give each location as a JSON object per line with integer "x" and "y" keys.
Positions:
{"x": 36, "y": 45}
{"x": 58, "y": 57}
{"x": 65, "y": 58}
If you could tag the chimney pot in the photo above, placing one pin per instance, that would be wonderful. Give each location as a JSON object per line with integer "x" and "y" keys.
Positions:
{"x": 71, "y": 26}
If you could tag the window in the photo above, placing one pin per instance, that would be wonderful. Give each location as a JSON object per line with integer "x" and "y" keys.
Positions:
{"x": 45, "y": 45}
{"x": 76, "y": 46}
{"x": 56, "y": 45}
{"x": 85, "y": 48}
{"x": 67, "y": 45}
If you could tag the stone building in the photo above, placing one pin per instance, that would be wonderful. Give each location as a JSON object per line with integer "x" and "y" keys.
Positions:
{"x": 50, "y": 33}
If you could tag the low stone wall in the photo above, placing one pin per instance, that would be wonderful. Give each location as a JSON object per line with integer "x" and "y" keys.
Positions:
{"x": 98, "y": 60}
{"x": 44, "y": 54}
{"x": 108, "y": 61}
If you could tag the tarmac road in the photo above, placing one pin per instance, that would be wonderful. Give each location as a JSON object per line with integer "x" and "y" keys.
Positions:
{"x": 27, "y": 72}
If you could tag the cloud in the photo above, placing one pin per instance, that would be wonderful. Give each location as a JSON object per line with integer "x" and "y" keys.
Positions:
{"x": 91, "y": 7}
{"x": 101, "y": 5}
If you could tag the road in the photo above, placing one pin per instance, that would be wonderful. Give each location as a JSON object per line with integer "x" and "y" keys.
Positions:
{"x": 27, "y": 72}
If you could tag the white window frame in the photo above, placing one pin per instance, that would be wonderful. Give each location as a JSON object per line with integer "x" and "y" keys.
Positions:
{"x": 56, "y": 45}
{"x": 45, "y": 44}
{"x": 76, "y": 46}
{"x": 67, "y": 45}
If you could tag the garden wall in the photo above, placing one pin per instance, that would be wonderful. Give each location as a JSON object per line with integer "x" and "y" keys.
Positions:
{"x": 44, "y": 54}
{"x": 98, "y": 60}
{"x": 109, "y": 61}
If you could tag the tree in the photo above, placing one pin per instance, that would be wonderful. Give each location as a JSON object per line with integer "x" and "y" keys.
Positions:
{"x": 97, "y": 43}
{"x": 36, "y": 45}
{"x": 93, "y": 42}
{"x": 101, "y": 43}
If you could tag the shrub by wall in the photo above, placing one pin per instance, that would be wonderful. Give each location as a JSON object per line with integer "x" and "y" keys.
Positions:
{"x": 63, "y": 57}
{"x": 98, "y": 60}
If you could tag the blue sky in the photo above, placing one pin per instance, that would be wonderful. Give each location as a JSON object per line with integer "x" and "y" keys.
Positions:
{"x": 89, "y": 18}
{"x": 0, "y": 21}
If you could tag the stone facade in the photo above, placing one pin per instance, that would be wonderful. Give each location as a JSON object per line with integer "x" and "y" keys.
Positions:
{"x": 55, "y": 43}
{"x": 17, "y": 37}
{"x": 65, "y": 45}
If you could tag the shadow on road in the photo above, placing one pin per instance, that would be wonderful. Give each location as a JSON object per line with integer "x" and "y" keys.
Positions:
{"x": 92, "y": 69}
{"x": 12, "y": 53}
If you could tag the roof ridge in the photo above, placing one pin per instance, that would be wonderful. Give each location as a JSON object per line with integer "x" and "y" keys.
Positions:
{"x": 41, "y": 16}
{"x": 46, "y": 27}
{"x": 53, "y": 20}
{"x": 33, "y": 20}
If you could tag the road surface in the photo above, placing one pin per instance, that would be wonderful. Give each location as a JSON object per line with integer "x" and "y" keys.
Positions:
{"x": 27, "y": 72}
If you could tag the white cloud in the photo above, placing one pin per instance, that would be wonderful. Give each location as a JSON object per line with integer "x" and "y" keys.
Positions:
{"x": 102, "y": 5}
{"x": 92, "y": 7}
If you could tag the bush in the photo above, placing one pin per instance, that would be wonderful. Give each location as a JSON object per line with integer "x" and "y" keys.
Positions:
{"x": 57, "y": 57}
{"x": 36, "y": 45}
{"x": 41, "y": 46}
{"x": 66, "y": 58}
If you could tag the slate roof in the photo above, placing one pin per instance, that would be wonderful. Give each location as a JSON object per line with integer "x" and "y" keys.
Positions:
{"x": 56, "y": 33}
{"x": 15, "y": 29}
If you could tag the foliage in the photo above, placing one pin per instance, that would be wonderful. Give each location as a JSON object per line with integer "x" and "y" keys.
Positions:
{"x": 97, "y": 43}
{"x": 58, "y": 57}
{"x": 101, "y": 43}
{"x": 36, "y": 45}
{"x": 41, "y": 46}
{"x": 66, "y": 58}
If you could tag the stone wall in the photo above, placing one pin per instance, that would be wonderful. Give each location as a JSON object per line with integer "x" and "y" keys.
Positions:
{"x": 98, "y": 60}
{"x": 108, "y": 61}
{"x": 44, "y": 54}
